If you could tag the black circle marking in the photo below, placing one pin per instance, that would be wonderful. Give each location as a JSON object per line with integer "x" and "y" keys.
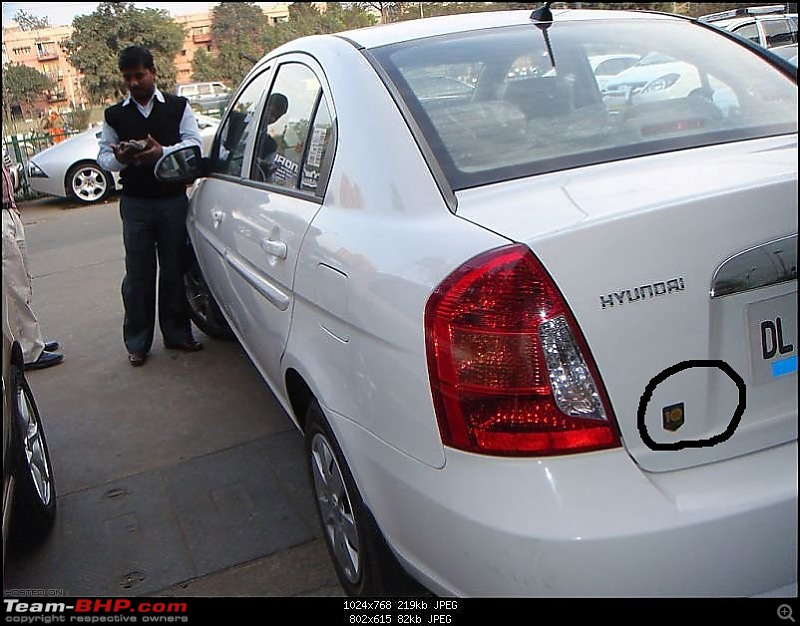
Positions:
{"x": 699, "y": 443}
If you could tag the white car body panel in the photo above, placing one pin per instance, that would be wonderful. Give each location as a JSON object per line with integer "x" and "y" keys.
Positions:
{"x": 626, "y": 521}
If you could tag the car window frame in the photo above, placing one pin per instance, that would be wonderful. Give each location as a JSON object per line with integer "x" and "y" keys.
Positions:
{"x": 268, "y": 70}
{"x": 326, "y": 166}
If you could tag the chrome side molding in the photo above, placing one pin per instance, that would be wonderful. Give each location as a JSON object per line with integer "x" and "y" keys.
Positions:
{"x": 770, "y": 263}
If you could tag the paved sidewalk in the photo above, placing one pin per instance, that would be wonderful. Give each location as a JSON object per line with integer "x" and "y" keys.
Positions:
{"x": 183, "y": 477}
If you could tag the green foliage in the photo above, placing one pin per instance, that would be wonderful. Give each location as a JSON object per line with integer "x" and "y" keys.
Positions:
{"x": 237, "y": 28}
{"x": 305, "y": 19}
{"x": 203, "y": 68}
{"x": 98, "y": 38}
{"x": 77, "y": 119}
{"x": 22, "y": 84}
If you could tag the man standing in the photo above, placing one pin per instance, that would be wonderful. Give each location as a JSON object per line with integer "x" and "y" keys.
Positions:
{"x": 36, "y": 352}
{"x": 153, "y": 213}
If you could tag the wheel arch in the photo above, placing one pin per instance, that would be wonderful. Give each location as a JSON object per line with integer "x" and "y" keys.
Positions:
{"x": 300, "y": 396}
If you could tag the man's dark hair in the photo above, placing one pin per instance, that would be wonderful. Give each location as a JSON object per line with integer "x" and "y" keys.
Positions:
{"x": 136, "y": 56}
{"x": 278, "y": 103}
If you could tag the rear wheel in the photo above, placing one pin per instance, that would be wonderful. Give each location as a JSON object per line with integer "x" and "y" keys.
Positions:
{"x": 203, "y": 309}
{"x": 34, "y": 494}
{"x": 363, "y": 562}
{"x": 88, "y": 183}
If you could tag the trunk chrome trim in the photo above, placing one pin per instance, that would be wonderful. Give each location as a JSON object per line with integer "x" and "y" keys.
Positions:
{"x": 768, "y": 264}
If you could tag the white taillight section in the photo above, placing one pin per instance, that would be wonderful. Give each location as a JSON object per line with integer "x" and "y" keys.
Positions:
{"x": 510, "y": 371}
{"x": 570, "y": 379}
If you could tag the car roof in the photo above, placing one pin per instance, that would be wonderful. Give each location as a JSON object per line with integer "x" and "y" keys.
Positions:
{"x": 375, "y": 36}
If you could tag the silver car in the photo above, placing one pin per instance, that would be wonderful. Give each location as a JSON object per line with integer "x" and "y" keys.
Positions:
{"x": 69, "y": 169}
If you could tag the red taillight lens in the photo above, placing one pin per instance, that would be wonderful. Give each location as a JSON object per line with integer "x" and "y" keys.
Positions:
{"x": 510, "y": 371}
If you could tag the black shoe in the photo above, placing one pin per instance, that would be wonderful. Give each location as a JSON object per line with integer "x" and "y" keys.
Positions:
{"x": 187, "y": 346}
{"x": 137, "y": 359}
{"x": 51, "y": 346}
{"x": 46, "y": 359}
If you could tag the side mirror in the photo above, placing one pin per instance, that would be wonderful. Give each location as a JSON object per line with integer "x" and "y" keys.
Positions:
{"x": 181, "y": 166}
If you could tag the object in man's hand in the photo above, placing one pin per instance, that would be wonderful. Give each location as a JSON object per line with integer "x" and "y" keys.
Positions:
{"x": 134, "y": 145}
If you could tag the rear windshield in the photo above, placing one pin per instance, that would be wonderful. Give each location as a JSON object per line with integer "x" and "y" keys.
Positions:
{"x": 501, "y": 103}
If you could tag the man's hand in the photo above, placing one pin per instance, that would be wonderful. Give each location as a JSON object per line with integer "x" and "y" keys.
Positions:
{"x": 152, "y": 153}
{"x": 123, "y": 154}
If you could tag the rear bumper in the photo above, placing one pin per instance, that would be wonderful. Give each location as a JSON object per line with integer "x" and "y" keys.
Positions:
{"x": 589, "y": 526}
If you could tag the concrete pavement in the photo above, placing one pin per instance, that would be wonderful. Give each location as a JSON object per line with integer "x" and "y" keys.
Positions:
{"x": 183, "y": 477}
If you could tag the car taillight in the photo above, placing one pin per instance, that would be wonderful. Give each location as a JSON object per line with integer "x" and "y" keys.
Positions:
{"x": 510, "y": 371}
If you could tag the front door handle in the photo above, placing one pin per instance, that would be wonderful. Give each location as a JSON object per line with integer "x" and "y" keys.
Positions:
{"x": 217, "y": 216}
{"x": 275, "y": 248}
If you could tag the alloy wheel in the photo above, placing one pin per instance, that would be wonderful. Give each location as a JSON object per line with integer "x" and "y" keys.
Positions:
{"x": 336, "y": 508}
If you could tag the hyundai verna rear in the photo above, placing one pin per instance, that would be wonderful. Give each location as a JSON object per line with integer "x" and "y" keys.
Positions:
{"x": 539, "y": 345}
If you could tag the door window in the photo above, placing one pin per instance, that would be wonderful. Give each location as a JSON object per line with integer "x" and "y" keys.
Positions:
{"x": 778, "y": 33}
{"x": 748, "y": 31}
{"x": 228, "y": 153}
{"x": 285, "y": 125}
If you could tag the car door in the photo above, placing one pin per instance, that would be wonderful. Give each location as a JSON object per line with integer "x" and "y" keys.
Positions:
{"x": 216, "y": 198}
{"x": 279, "y": 199}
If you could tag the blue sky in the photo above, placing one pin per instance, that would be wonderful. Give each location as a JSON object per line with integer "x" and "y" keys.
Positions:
{"x": 62, "y": 13}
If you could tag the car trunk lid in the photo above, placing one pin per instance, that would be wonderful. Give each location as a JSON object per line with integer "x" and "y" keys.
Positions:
{"x": 681, "y": 271}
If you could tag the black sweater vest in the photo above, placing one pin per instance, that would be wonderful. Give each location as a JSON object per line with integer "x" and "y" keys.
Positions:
{"x": 164, "y": 125}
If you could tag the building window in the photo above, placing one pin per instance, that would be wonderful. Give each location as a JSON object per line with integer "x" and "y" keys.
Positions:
{"x": 183, "y": 52}
{"x": 23, "y": 50}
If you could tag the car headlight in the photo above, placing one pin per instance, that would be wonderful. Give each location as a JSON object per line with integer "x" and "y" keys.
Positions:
{"x": 34, "y": 171}
{"x": 661, "y": 83}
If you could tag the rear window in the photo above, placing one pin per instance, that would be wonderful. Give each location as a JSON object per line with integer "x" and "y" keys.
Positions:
{"x": 500, "y": 103}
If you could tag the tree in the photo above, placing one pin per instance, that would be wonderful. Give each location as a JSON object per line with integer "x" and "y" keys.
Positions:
{"x": 93, "y": 49}
{"x": 28, "y": 21}
{"x": 389, "y": 10}
{"x": 23, "y": 85}
{"x": 237, "y": 28}
{"x": 305, "y": 19}
{"x": 203, "y": 68}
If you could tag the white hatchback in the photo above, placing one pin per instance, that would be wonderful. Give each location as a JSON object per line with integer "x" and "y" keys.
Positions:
{"x": 536, "y": 347}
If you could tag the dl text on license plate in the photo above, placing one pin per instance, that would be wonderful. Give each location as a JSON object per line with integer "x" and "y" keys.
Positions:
{"x": 773, "y": 338}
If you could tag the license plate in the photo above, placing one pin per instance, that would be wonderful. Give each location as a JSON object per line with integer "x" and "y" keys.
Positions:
{"x": 772, "y": 326}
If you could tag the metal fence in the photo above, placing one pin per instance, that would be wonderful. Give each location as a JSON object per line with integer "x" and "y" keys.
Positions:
{"x": 22, "y": 146}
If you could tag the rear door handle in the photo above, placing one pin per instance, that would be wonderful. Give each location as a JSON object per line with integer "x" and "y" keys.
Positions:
{"x": 275, "y": 248}
{"x": 217, "y": 216}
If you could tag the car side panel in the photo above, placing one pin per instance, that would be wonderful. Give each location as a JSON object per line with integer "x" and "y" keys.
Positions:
{"x": 382, "y": 241}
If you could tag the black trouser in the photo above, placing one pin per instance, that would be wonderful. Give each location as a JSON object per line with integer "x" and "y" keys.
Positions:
{"x": 154, "y": 228}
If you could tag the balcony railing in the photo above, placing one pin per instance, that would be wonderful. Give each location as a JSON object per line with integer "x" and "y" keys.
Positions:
{"x": 201, "y": 38}
{"x": 47, "y": 55}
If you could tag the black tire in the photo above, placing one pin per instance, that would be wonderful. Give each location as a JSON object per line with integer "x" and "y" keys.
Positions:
{"x": 203, "y": 309}
{"x": 363, "y": 562}
{"x": 88, "y": 183}
{"x": 34, "y": 507}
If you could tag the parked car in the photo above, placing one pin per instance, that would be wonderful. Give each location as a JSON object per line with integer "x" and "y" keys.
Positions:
{"x": 658, "y": 77}
{"x": 787, "y": 52}
{"x": 29, "y": 493}
{"x": 535, "y": 349}
{"x": 205, "y": 96}
{"x": 768, "y": 26}
{"x": 70, "y": 170}
{"x": 606, "y": 66}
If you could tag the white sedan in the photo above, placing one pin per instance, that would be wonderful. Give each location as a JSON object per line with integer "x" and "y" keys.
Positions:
{"x": 69, "y": 169}
{"x": 535, "y": 348}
